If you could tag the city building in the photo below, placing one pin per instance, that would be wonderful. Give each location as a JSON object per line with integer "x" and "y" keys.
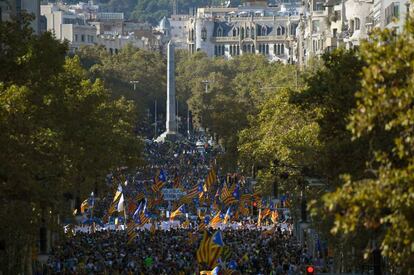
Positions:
{"x": 84, "y": 25}
{"x": 14, "y": 8}
{"x": 253, "y": 28}
{"x": 69, "y": 26}
{"x": 179, "y": 32}
{"x": 290, "y": 31}
{"x": 388, "y": 14}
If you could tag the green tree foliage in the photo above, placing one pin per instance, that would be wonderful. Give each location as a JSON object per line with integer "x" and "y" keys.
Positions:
{"x": 383, "y": 203}
{"x": 236, "y": 89}
{"x": 60, "y": 133}
{"x": 130, "y": 64}
{"x": 280, "y": 133}
{"x": 331, "y": 89}
{"x": 153, "y": 10}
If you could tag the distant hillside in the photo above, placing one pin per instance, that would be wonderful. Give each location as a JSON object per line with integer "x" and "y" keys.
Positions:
{"x": 153, "y": 10}
{"x": 150, "y": 10}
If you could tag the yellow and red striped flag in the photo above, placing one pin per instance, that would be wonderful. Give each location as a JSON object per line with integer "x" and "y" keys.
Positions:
{"x": 214, "y": 221}
{"x": 275, "y": 216}
{"x": 179, "y": 211}
{"x": 210, "y": 180}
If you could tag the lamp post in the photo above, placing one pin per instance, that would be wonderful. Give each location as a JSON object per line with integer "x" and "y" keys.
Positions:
{"x": 134, "y": 82}
{"x": 407, "y": 6}
{"x": 188, "y": 121}
{"x": 206, "y": 82}
{"x": 155, "y": 118}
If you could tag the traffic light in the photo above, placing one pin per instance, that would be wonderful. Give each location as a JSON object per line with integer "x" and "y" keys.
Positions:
{"x": 310, "y": 270}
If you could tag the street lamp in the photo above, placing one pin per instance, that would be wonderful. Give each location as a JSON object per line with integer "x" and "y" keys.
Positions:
{"x": 407, "y": 6}
{"x": 134, "y": 82}
{"x": 206, "y": 82}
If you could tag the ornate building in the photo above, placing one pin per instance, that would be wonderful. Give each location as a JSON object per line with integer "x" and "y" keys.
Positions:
{"x": 254, "y": 28}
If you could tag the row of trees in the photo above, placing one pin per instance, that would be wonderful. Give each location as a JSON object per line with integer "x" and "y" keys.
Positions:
{"x": 236, "y": 90}
{"x": 347, "y": 121}
{"x": 146, "y": 69}
{"x": 60, "y": 134}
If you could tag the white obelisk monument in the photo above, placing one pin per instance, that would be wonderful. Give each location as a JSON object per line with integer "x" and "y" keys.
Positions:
{"x": 171, "y": 123}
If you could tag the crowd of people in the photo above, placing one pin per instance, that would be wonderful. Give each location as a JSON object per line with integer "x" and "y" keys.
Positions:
{"x": 248, "y": 249}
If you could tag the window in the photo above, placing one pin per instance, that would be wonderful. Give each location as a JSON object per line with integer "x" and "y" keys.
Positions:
{"x": 357, "y": 24}
{"x": 280, "y": 30}
{"x": 234, "y": 32}
{"x": 253, "y": 32}
{"x": 278, "y": 49}
{"x": 334, "y": 33}
{"x": 242, "y": 33}
{"x": 315, "y": 26}
{"x": 219, "y": 32}
{"x": 392, "y": 12}
{"x": 264, "y": 30}
{"x": 337, "y": 15}
{"x": 351, "y": 26}
{"x": 396, "y": 10}
{"x": 76, "y": 38}
{"x": 247, "y": 32}
{"x": 204, "y": 34}
{"x": 83, "y": 38}
{"x": 267, "y": 49}
{"x": 318, "y": 5}
{"x": 293, "y": 29}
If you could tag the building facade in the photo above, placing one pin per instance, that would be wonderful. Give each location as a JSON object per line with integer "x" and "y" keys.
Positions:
{"x": 254, "y": 28}
{"x": 69, "y": 26}
{"x": 84, "y": 25}
{"x": 179, "y": 25}
{"x": 290, "y": 31}
{"x": 14, "y": 8}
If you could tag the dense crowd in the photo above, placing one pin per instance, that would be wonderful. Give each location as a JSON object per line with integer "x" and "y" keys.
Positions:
{"x": 173, "y": 252}
{"x": 248, "y": 249}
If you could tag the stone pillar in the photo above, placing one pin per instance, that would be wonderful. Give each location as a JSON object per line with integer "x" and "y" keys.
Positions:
{"x": 171, "y": 123}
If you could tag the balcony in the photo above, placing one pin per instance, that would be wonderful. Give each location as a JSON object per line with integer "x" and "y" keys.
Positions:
{"x": 224, "y": 39}
{"x": 271, "y": 38}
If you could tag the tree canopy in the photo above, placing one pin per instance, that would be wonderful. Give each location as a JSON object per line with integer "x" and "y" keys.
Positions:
{"x": 60, "y": 134}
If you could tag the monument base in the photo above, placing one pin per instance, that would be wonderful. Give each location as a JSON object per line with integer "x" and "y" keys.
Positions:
{"x": 169, "y": 136}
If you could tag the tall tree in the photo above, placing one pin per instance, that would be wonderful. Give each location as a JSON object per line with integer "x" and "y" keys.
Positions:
{"x": 60, "y": 133}
{"x": 381, "y": 203}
